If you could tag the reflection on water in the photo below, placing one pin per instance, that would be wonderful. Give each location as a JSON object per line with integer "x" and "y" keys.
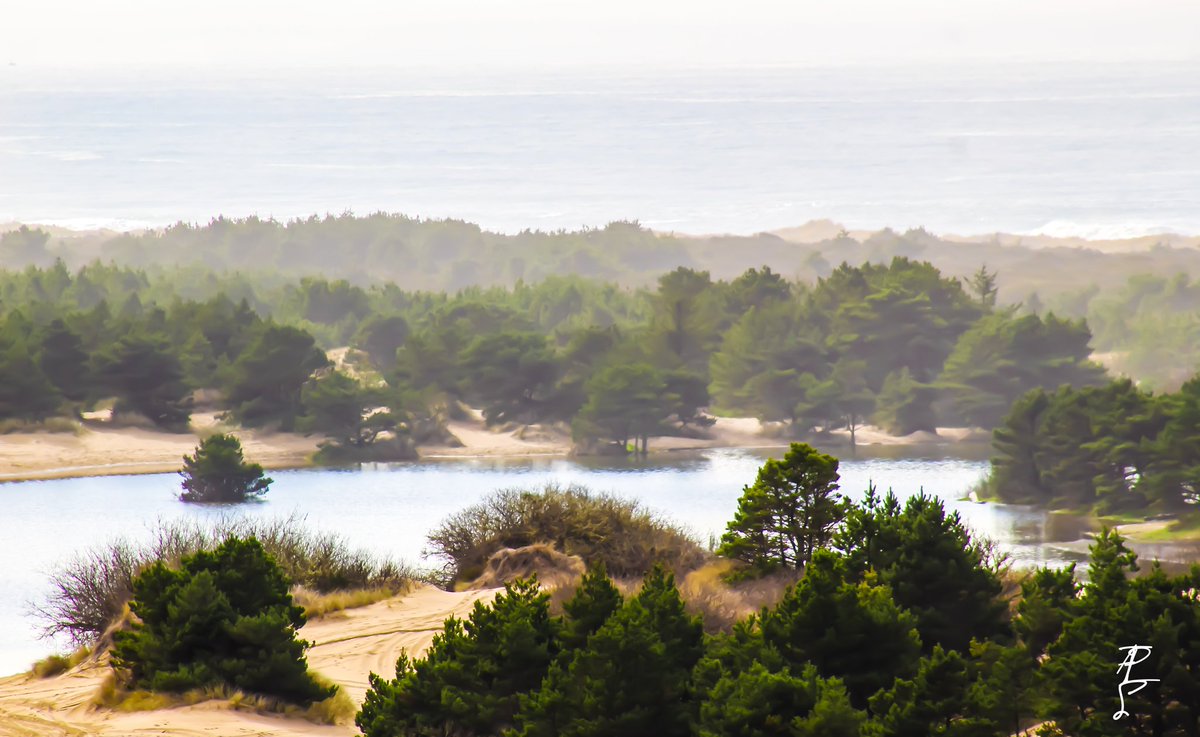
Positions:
{"x": 390, "y": 508}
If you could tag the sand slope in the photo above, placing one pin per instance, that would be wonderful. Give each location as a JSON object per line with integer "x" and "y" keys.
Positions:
{"x": 348, "y": 646}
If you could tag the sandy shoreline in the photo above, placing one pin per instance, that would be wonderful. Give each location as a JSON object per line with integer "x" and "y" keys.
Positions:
{"x": 97, "y": 450}
{"x": 103, "y": 451}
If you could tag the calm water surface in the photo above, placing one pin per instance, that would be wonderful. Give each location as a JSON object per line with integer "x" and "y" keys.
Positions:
{"x": 389, "y": 509}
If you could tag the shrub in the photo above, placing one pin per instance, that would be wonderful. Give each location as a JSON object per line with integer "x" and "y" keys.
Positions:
{"x": 224, "y": 617}
{"x": 599, "y": 528}
{"x": 218, "y": 472}
{"x": 89, "y": 592}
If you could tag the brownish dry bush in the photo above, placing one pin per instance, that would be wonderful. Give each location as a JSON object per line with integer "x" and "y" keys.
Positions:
{"x": 599, "y": 528}
{"x": 89, "y": 592}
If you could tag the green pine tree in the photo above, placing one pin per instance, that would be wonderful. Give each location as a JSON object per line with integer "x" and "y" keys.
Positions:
{"x": 757, "y": 702}
{"x": 852, "y": 631}
{"x": 632, "y": 678}
{"x": 224, "y": 617}
{"x": 790, "y": 512}
{"x": 471, "y": 680}
{"x": 932, "y": 564}
{"x": 218, "y": 472}
{"x": 594, "y": 602}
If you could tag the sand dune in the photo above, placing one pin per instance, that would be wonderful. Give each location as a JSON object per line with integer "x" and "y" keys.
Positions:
{"x": 348, "y": 647}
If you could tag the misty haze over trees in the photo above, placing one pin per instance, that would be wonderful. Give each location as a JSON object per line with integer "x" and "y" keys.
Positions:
{"x": 1141, "y": 304}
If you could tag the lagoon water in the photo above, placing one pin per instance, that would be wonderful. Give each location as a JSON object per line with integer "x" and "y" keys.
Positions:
{"x": 1065, "y": 149}
{"x": 389, "y": 509}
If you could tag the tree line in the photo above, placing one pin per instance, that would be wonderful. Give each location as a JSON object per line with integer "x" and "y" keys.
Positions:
{"x": 1113, "y": 448}
{"x": 901, "y": 346}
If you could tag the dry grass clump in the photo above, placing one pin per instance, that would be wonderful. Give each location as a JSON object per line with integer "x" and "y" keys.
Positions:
{"x": 317, "y": 605}
{"x": 706, "y": 591}
{"x": 90, "y": 591}
{"x": 50, "y": 425}
{"x": 709, "y": 592}
{"x": 620, "y": 533}
{"x": 54, "y": 665}
{"x": 553, "y": 569}
{"x": 337, "y": 709}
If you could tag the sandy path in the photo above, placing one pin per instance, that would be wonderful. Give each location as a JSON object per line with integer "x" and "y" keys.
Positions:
{"x": 349, "y": 646}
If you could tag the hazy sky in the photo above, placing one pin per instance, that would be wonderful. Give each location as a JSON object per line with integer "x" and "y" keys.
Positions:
{"x": 494, "y": 33}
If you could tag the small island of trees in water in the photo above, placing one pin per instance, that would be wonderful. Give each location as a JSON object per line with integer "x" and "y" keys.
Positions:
{"x": 881, "y": 618}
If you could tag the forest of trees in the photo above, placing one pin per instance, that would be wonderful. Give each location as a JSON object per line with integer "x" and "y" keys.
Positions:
{"x": 1113, "y": 448}
{"x": 900, "y": 346}
{"x": 1142, "y": 302}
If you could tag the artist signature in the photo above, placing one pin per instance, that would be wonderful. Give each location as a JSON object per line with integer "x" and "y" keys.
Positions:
{"x": 1134, "y": 654}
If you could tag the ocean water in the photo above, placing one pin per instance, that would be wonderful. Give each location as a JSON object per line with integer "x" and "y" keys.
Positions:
{"x": 1100, "y": 151}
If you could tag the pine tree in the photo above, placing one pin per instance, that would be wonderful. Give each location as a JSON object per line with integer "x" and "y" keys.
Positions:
{"x": 931, "y": 563}
{"x": 983, "y": 285}
{"x": 905, "y": 405}
{"x": 790, "y": 511}
{"x": 64, "y": 361}
{"x": 25, "y": 392}
{"x": 146, "y": 377}
{"x": 218, "y": 472}
{"x": 594, "y": 602}
{"x": 759, "y": 703}
{"x": 934, "y": 702}
{"x": 225, "y": 617}
{"x": 471, "y": 680}
{"x": 1080, "y": 673}
{"x": 852, "y": 631}
{"x": 632, "y": 678}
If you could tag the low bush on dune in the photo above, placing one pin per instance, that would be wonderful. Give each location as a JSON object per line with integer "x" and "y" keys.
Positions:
{"x": 222, "y": 625}
{"x": 90, "y": 592}
{"x": 628, "y": 539}
{"x": 224, "y": 617}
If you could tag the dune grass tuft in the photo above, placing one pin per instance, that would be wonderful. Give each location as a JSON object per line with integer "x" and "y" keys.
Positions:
{"x": 54, "y": 665}
{"x": 317, "y": 605}
{"x": 337, "y": 709}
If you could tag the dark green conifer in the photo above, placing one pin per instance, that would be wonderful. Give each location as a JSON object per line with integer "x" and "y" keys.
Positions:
{"x": 757, "y": 702}
{"x": 225, "y": 617}
{"x": 470, "y": 681}
{"x": 594, "y": 602}
{"x": 631, "y": 679}
{"x": 852, "y": 631}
